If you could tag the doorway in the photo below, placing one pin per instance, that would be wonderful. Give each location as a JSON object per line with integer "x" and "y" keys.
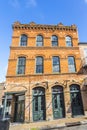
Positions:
{"x": 19, "y": 108}
{"x": 76, "y": 100}
{"x": 39, "y": 106}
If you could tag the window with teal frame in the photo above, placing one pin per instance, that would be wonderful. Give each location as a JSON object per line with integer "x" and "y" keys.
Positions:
{"x": 23, "y": 40}
{"x": 68, "y": 41}
{"x": 21, "y": 65}
{"x": 54, "y": 40}
{"x": 71, "y": 64}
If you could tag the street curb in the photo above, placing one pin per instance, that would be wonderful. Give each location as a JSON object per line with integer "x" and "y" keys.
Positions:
{"x": 53, "y": 127}
{"x": 83, "y": 122}
{"x": 72, "y": 124}
{"x": 58, "y": 126}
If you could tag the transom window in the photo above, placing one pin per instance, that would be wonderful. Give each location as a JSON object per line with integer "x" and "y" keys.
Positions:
{"x": 39, "y": 40}
{"x": 56, "y": 64}
{"x": 71, "y": 64}
{"x": 38, "y": 91}
{"x": 23, "y": 40}
{"x": 39, "y": 64}
{"x": 74, "y": 88}
{"x": 54, "y": 40}
{"x": 21, "y": 65}
{"x": 57, "y": 89}
{"x": 68, "y": 41}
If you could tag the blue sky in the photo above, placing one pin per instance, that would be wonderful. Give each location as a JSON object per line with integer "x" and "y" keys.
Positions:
{"x": 42, "y": 12}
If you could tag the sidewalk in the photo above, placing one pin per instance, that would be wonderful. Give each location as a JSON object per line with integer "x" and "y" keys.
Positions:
{"x": 48, "y": 125}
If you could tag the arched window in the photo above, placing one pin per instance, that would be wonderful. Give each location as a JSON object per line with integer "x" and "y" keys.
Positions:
{"x": 21, "y": 65}
{"x": 56, "y": 64}
{"x": 54, "y": 40}
{"x": 39, "y": 40}
{"x": 76, "y": 100}
{"x": 39, "y": 105}
{"x": 23, "y": 40}
{"x": 58, "y": 102}
{"x": 71, "y": 64}
{"x": 39, "y": 64}
{"x": 68, "y": 41}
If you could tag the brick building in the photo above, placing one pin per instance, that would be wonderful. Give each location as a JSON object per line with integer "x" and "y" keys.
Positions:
{"x": 1, "y": 97}
{"x": 43, "y": 76}
{"x": 83, "y": 52}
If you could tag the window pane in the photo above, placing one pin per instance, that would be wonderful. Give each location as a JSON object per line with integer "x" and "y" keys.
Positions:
{"x": 20, "y": 69}
{"x": 39, "y": 44}
{"x": 71, "y": 60}
{"x": 55, "y": 68}
{"x": 55, "y": 102}
{"x": 55, "y": 60}
{"x": 21, "y": 65}
{"x": 39, "y": 41}
{"x": 71, "y": 68}
{"x": 23, "y": 41}
{"x": 54, "y": 41}
{"x": 39, "y": 38}
{"x": 71, "y": 64}
{"x": 21, "y": 61}
{"x": 56, "y": 64}
{"x": 54, "y": 38}
{"x": 39, "y": 65}
{"x": 39, "y": 69}
{"x": 39, "y": 60}
{"x": 68, "y": 41}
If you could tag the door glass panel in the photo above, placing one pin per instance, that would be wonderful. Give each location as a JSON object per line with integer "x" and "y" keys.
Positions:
{"x": 58, "y": 102}
{"x": 55, "y": 102}
{"x": 42, "y": 102}
{"x": 36, "y": 103}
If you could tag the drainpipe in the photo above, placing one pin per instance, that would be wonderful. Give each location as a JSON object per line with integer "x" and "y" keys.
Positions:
{"x": 4, "y": 107}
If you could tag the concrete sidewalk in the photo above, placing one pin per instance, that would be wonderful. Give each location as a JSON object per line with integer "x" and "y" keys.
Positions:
{"x": 48, "y": 125}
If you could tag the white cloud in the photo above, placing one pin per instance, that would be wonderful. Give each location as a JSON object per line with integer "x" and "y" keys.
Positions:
{"x": 31, "y": 3}
{"x": 3, "y": 72}
{"x": 25, "y": 3}
{"x": 85, "y": 1}
{"x": 14, "y": 3}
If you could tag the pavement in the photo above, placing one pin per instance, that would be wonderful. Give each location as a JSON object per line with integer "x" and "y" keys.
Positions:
{"x": 60, "y": 124}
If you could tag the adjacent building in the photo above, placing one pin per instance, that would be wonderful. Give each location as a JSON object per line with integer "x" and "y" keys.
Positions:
{"x": 83, "y": 52}
{"x": 2, "y": 87}
{"x": 44, "y": 77}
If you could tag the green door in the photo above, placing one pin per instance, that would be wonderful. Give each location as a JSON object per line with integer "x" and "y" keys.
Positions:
{"x": 39, "y": 112}
{"x": 19, "y": 109}
{"x": 58, "y": 102}
{"x": 76, "y": 100}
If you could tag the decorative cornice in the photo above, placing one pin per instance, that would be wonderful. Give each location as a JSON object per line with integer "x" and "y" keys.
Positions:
{"x": 34, "y": 26}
